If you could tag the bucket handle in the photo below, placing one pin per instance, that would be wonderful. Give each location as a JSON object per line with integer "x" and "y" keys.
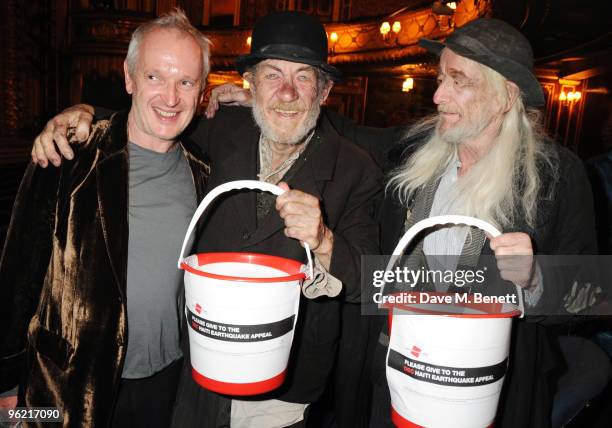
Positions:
{"x": 448, "y": 219}
{"x": 226, "y": 187}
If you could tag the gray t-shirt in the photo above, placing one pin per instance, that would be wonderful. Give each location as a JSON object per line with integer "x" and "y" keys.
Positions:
{"x": 162, "y": 200}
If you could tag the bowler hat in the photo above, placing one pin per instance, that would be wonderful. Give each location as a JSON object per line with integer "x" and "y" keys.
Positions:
{"x": 497, "y": 45}
{"x": 290, "y": 36}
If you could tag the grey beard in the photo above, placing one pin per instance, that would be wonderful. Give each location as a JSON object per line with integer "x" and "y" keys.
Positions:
{"x": 298, "y": 137}
{"x": 460, "y": 134}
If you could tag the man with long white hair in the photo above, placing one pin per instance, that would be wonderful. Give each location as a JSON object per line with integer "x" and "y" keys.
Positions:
{"x": 484, "y": 155}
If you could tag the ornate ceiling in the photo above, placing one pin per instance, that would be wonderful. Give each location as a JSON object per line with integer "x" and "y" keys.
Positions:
{"x": 361, "y": 43}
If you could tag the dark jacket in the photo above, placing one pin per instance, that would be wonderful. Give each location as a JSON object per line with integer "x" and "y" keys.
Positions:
{"x": 348, "y": 185}
{"x": 565, "y": 226}
{"x": 341, "y": 175}
{"x": 63, "y": 279}
{"x": 600, "y": 173}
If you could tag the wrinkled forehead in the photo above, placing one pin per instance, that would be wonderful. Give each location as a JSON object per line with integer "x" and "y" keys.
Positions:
{"x": 286, "y": 66}
{"x": 455, "y": 64}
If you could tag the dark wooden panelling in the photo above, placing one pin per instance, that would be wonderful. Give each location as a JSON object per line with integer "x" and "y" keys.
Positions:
{"x": 387, "y": 105}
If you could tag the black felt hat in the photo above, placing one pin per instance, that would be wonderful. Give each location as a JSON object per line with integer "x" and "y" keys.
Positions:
{"x": 497, "y": 45}
{"x": 290, "y": 36}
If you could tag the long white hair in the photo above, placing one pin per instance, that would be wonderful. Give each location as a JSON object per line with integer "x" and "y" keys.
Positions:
{"x": 504, "y": 185}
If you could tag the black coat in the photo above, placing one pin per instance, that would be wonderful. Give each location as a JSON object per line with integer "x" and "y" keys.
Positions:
{"x": 348, "y": 185}
{"x": 565, "y": 226}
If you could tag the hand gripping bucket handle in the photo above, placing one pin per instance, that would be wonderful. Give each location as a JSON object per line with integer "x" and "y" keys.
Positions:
{"x": 226, "y": 187}
{"x": 448, "y": 219}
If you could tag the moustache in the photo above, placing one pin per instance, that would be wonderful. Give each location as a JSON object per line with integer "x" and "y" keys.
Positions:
{"x": 447, "y": 110}
{"x": 292, "y": 106}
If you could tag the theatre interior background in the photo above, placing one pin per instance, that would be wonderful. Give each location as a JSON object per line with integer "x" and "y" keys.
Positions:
{"x": 54, "y": 53}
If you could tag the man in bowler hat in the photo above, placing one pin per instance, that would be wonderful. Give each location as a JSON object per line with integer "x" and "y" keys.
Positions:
{"x": 332, "y": 187}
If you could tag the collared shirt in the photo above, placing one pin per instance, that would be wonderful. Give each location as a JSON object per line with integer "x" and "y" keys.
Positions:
{"x": 266, "y": 173}
{"x": 446, "y": 241}
{"x": 449, "y": 241}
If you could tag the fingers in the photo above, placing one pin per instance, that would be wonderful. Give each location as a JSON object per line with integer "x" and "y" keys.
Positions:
{"x": 296, "y": 208}
{"x": 514, "y": 257}
{"x": 514, "y": 263}
{"x": 515, "y": 243}
{"x": 44, "y": 147}
{"x": 229, "y": 94}
{"x": 213, "y": 102}
{"x": 33, "y": 151}
{"x": 59, "y": 137}
{"x": 516, "y": 269}
{"x": 236, "y": 96}
{"x": 302, "y": 216}
{"x": 39, "y": 154}
{"x": 294, "y": 199}
{"x": 303, "y": 229}
{"x": 211, "y": 108}
{"x": 311, "y": 236}
{"x": 82, "y": 127}
{"x": 53, "y": 138}
{"x": 79, "y": 118}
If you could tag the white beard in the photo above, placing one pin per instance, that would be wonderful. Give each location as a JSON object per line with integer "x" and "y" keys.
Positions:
{"x": 461, "y": 134}
{"x": 481, "y": 116}
{"x": 297, "y": 136}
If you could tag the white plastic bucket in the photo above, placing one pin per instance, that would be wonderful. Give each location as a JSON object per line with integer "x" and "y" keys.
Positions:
{"x": 447, "y": 370}
{"x": 241, "y": 311}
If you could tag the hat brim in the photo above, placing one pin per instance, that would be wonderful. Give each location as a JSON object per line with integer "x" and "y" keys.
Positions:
{"x": 243, "y": 62}
{"x": 511, "y": 70}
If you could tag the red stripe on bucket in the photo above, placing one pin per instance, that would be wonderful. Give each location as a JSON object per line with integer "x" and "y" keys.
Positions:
{"x": 292, "y": 267}
{"x": 253, "y": 388}
{"x": 401, "y": 422}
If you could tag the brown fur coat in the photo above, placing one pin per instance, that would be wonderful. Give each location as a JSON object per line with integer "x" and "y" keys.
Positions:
{"x": 63, "y": 279}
